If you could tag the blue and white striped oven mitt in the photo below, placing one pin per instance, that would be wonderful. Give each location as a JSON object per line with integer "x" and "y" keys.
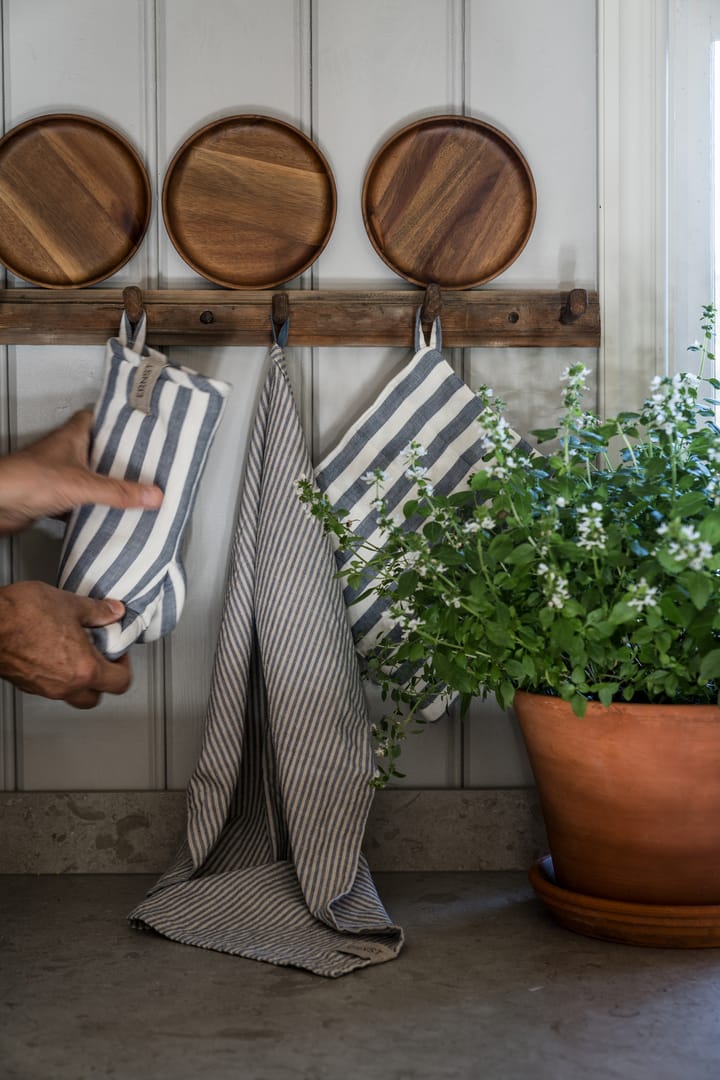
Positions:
{"x": 426, "y": 403}
{"x": 154, "y": 422}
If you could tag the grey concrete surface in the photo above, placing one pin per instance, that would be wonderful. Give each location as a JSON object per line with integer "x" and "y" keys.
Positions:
{"x": 488, "y": 987}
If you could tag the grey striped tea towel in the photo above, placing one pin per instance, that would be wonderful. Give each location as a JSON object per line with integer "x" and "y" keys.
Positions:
{"x": 277, "y": 804}
{"x": 153, "y": 422}
{"x": 425, "y": 403}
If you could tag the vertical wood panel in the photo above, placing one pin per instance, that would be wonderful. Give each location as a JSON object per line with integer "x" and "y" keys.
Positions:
{"x": 85, "y": 56}
{"x": 531, "y": 73}
{"x": 242, "y": 58}
{"x": 632, "y": 167}
{"x": 7, "y": 697}
{"x": 378, "y": 66}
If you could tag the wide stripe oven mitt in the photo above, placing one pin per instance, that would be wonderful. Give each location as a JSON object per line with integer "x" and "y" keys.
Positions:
{"x": 154, "y": 422}
{"x": 427, "y": 404}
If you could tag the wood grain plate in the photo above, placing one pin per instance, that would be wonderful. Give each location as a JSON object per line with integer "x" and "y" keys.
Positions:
{"x": 449, "y": 199}
{"x": 75, "y": 201}
{"x": 249, "y": 202}
{"x": 656, "y": 925}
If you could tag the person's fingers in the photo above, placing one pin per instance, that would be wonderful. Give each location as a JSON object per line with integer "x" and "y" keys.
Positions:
{"x": 82, "y": 486}
{"x": 83, "y": 699}
{"x": 69, "y": 443}
{"x": 80, "y": 424}
{"x": 93, "y": 612}
{"x": 114, "y": 676}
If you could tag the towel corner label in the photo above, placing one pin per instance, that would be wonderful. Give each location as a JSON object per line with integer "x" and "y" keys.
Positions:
{"x": 148, "y": 372}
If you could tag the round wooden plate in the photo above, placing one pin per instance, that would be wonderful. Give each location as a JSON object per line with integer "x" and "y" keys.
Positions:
{"x": 249, "y": 202}
{"x": 450, "y": 200}
{"x": 657, "y": 925}
{"x": 75, "y": 201}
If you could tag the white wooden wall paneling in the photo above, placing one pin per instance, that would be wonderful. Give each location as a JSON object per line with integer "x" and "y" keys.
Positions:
{"x": 378, "y": 66}
{"x": 530, "y": 72}
{"x": 244, "y": 58}
{"x": 86, "y": 56}
{"x": 348, "y": 74}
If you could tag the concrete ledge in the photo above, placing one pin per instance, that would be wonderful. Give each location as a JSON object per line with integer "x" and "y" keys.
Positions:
{"x": 125, "y": 832}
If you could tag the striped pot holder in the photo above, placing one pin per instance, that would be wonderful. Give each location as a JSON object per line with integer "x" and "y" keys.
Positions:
{"x": 426, "y": 403}
{"x": 154, "y": 422}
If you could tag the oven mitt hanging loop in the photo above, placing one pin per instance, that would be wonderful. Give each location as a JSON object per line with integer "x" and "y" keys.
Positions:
{"x": 154, "y": 422}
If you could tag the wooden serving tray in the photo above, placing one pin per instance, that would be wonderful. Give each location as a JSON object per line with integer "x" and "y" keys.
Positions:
{"x": 75, "y": 201}
{"x": 249, "y": 202}
{"x": 450, "y": 200}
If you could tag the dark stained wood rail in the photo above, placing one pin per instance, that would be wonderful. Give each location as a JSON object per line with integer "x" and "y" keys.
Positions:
{"x": 206, "y": 317}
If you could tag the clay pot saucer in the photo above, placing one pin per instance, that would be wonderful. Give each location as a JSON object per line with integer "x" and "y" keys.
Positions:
{"x": 657, "y": 925}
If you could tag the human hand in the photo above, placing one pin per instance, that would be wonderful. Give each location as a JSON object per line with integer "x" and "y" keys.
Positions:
{"x": 51, "y": 476}
{"x": 45, "y": 650}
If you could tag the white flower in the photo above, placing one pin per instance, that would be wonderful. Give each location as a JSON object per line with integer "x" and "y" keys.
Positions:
{"x": 684, "y": 545}
{"x": 555, "y": 585}
{"x": 561, "y": 502}
{"x": 487, "y": 522}
{"x": 642, "y": 595}
{"x": 560, "y": 593}
{"x": 375, "y": 476}
{"x": 591, "y": 534}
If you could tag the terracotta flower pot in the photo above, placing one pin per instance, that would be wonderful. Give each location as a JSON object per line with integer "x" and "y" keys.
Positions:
{"x": 630, "y": 796}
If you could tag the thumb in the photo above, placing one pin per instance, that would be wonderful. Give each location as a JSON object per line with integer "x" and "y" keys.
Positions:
{"x": 89, "y": 487}
{"x": 99, "y": 612}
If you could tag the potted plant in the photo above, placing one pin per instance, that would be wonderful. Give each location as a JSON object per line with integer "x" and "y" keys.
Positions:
{"x": 581, "y": 586}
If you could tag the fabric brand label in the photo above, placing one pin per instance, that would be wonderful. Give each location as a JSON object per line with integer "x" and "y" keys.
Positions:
{"x": 368, "y": 950}
{"x": 148, "y": 372}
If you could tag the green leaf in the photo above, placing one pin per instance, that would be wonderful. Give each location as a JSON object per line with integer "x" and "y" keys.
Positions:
{"x": 694, "y": 502}
{"x": 521, "y": 556}
{"x": 563, "y": 634}
{"x": 451, "y": 673}
{"x": 668, "y": 563}
{"x": 672, "y": 611}
{"x": 579, "y": 706}
{"x": 699, "y": 587}
{"x": 515, "y": 669}
{"x": 545, "y": 434}
{"x": 709, "y": 527}
{"x": 622, "y": 612}
{"x": 607, "y": 692}
{"x": 505, "y": 694}
{"x": 710, "y": 667}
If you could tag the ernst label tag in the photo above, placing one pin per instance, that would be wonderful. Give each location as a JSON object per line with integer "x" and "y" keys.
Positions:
{"x": 148, "y": 372}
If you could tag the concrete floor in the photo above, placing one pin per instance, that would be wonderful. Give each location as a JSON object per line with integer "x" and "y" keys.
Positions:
{"x": 488, "y": 987}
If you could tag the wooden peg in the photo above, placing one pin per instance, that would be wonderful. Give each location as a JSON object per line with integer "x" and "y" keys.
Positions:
{"x": 280, "y": 309}
{"x": 133, "y": 304}
{"x": 575, "y": 306}
{"x": 432, "y": 304}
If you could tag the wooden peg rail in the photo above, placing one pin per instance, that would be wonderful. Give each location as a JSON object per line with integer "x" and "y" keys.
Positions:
{"x": 487, "y": 317}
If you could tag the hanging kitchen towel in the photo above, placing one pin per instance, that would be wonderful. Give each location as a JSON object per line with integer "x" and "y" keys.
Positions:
{"x": 426, "y": 403}
{"x": 154, "y": 422}
{"x": 278, "y": 801}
